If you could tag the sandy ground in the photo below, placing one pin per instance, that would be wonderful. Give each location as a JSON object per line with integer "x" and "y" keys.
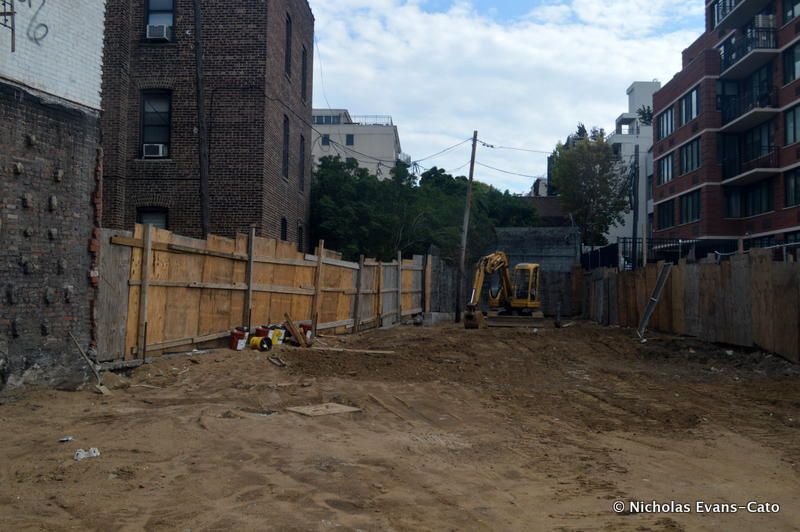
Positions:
{"x": 459, "y": 430}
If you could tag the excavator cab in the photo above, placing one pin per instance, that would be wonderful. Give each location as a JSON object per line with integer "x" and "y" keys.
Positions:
{"x": 526, "y": 288}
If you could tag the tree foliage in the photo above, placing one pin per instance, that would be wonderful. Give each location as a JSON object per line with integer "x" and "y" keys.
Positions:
{"x": 645, "y": 113}
{"x": 592, "y": 183}
{"x": 356, "y": 213}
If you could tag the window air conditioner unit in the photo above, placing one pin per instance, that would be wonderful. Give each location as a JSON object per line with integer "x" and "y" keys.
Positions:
{"x": 159, "y": 32}
{"x": 152, "y": 151}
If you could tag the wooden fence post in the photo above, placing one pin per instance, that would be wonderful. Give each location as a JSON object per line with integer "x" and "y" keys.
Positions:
{"x": 359, "y": 292}
{"x": 380, "y": 293}
{"x": 318, "y": 286}
{"x": 247, "y": 319}
{"x": 428, "y": 283}
{"x": 399, "y": 287}
{"x": 147, "y": 259}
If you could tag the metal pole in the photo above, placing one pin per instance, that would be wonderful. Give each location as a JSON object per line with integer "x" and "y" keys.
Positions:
{"x": 465, "y": 229}
{"x": 202, "y": 129}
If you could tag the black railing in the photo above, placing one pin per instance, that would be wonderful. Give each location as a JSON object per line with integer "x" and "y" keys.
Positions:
{"x": 732, "y": 107}
{"x": 754, "y": 39}
{"x": 766, "y": 158}
{"x": 723, "y": 8}
{"x": 670, "y": 249}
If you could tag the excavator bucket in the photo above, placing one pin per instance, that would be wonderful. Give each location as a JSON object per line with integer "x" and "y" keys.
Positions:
{"x": 473, "y": 319}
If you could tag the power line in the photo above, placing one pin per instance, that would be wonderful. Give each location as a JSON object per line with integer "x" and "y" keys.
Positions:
{"x": 495, "y": 147}
{"x": 506, "y": 171}
{"x": 454, "y": 146}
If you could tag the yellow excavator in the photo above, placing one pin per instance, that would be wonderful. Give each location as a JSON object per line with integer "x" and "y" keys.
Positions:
{"x": 514, "y": 303}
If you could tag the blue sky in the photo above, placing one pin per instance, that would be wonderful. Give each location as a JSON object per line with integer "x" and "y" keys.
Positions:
{"x": 522, "y": 73}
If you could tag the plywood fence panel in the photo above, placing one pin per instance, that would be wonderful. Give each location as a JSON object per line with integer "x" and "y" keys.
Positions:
{"x": 763, "y": 320}
{"x": 413, "y": 274}
{"x": 677, "y": 307}
{"x": 389, "y": 293}
{"x": 132, "y": 327}
{"x": 113, "y": 264}
{"x": 264, "y": 248}
{"x": 740, "y": 306}
{"x": 785, "y": 310}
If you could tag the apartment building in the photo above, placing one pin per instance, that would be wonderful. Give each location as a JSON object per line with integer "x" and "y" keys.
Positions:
{"x": 257, "y": 84}
{"x": 631, "y": 140}
{"x": 372, "y": 141}
{"x": 727, "y": 126}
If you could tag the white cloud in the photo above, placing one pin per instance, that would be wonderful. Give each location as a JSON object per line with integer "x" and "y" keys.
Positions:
{"x": 523, "y": 83}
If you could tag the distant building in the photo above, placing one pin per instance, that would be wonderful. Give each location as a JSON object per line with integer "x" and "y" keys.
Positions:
{"x": 372, "y": 141}
{"x": 549, "y": 212}
{"x": 539, "y": 188}
{"x": 629, "y": 134}
{"x": 257, "y": 79}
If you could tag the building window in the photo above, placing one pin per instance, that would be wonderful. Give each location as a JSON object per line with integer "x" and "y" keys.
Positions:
{"x": 792, "y": 238}
{"x": 666, "y": 124}
{"x": 757, "y": 142}
{"x": 649, "y": 191}
{"x": 791, "y": 63}
{"x": 690, "y": 156}
{"x": 302, "y": 166}
{"x": 750, "y": 200}
{"x": 351, "y": 161}
{"x": 160, "y": 19}
{"x": 155, "y": 216}
{"x": 690, "y": 106}
{"x": 760, "y": 242}
{"x": 285, "y": 168}
{"x": 791, "y": 9}
{"x": 690, "y": 207}
{"x": 350, "y": 139}
{"x": 155, "y": 134}
{"x": 300, "y": 238}
{"x": 666, "y": 214}
{"x": 304, "y": 75}
{"x": 793, "y": 125}
{"x": 665, "y": 169}
{"x": 287, "y": 58}
{"x": 326, "y": 140}
{"x": 284, "y": 229}
{"x": 792, "y": 188}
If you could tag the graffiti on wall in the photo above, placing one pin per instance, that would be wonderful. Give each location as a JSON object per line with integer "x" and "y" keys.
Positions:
{"x": 37, "y": 31}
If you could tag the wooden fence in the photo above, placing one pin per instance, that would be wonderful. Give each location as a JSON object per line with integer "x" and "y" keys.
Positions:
{"x": 160, "y": 291}
{"x": 749, "y": 300}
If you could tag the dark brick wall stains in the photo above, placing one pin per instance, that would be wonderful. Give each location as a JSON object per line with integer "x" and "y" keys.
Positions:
{"x": 49, "y": 205}
{"x": 247, "y": 95}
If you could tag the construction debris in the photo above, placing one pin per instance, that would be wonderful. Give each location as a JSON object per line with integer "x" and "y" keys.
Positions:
{"x": 80, "y": 454}
{"x": 324, "y": 409}
{"x": 343, "y": 350}
{"x": 99, "y": 386}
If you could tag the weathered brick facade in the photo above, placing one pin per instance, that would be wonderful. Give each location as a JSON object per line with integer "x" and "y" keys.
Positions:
{"x": 49, "y": 211}
{"x": 738, "y": 65}
{"x": 247, "y": 95}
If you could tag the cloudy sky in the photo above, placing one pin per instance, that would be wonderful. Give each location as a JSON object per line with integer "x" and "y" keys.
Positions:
{"x": 523, "y": 73}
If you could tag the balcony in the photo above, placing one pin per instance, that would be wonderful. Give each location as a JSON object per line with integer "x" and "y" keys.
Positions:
{"x": 740, "y": 113}
{"x": 731, "y": 14}
{"x": 739, "y": 172}
{"x": 749, "y": 53}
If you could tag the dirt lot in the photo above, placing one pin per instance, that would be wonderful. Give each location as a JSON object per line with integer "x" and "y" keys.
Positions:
{"x": 459, "y": 430}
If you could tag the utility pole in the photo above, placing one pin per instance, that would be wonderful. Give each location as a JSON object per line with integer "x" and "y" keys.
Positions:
{"x": 635, "y": 186}
{"x": 202, "y": 129}
{"x": 465, "y": 230}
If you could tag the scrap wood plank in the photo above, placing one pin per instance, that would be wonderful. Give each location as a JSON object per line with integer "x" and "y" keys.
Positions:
{"x": 346, "y": 350}
{"x": 296, "y": 333}
{"x": 324, "y": 409}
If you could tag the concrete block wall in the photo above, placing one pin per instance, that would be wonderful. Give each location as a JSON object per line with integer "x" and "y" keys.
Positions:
{"x": 50, "y": 180}
{"x": 59, "y": 47}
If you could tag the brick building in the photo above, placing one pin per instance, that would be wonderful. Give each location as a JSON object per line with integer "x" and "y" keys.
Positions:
{"x": 50, "y": 184}
{"x": 727, "y": 126}
{"x": 257, "y": 66}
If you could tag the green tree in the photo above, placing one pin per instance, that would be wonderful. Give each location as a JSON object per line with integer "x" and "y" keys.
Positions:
{"x": 645, "y": 113}
{"x": 356, "y": 213}
{"x": 592, "y": 184}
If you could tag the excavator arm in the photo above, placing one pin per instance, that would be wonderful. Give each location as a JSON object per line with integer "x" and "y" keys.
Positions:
{"x": 489, "y": 265}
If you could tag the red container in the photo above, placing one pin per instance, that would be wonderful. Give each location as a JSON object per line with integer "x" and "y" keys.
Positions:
{"x": 238, "y": 339}
{"x": 262, "y": 331}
